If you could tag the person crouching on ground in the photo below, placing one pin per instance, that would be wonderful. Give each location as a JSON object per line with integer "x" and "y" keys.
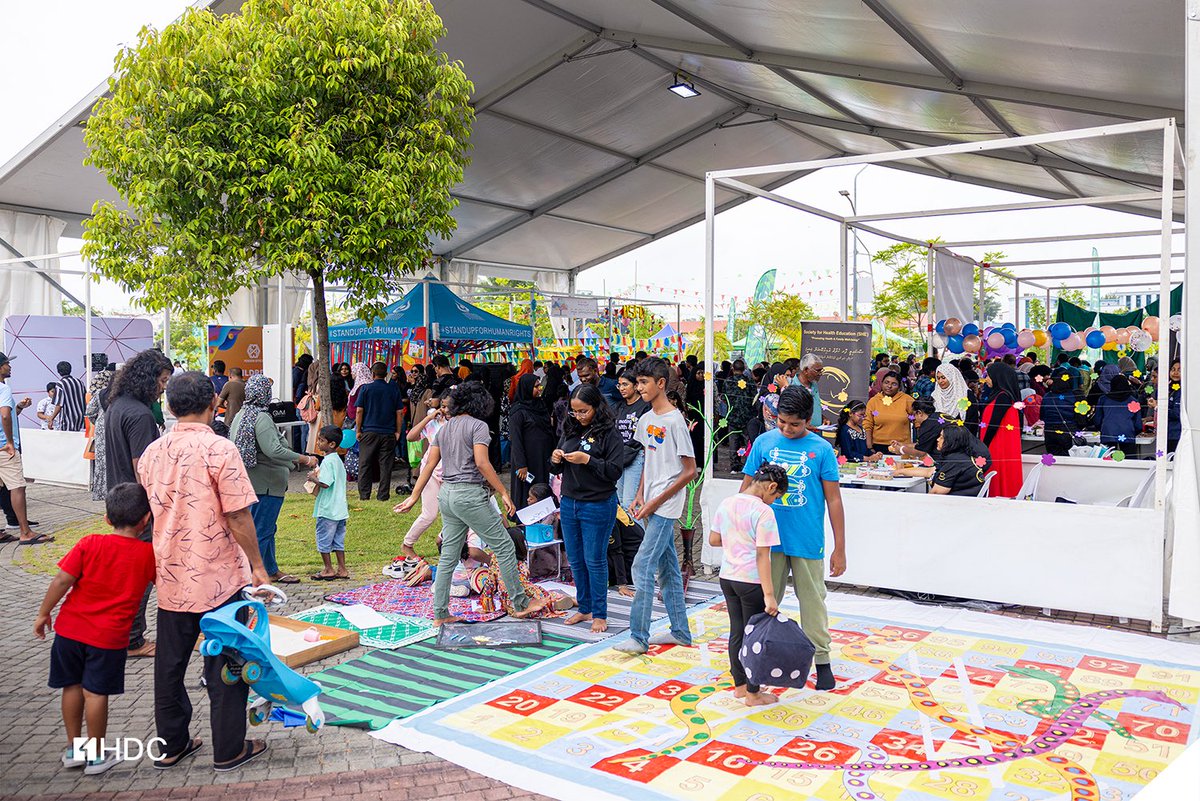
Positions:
{"x": 106, "y": 575}
{"x": 745, "y": 530}
{"x": 330, "y": 508}
{"x": 461, "y": 448}
{"x": 812, "y": 468}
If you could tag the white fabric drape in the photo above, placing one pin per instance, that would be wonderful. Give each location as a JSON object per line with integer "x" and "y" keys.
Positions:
{"x": 252, "y": 306}
{"x": 953, "y": 287}
{"x": 1184, "y": 595}
{"x": 22, "y": 291}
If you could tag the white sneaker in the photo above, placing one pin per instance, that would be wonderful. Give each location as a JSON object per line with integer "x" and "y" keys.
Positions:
{"x": 69, "y": 760}
{"x": 667, "y": 638}
{"x": 104, "y": 764}
{"x": 631, "y": 647}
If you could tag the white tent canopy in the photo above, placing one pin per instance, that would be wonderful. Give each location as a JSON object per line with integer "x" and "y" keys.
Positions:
{"x": 581, "y": 153}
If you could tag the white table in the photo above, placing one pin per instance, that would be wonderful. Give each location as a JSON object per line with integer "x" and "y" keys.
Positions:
{"x": 897, "y": 484}
{"x": 1036, "y": 443}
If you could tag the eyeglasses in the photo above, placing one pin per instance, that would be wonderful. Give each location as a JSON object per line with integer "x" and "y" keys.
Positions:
{"x": 577, "y": 415}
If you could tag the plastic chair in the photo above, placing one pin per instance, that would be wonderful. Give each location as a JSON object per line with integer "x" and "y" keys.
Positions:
{"x": 987, "y": 483}
{"x": 1029, "y": 487}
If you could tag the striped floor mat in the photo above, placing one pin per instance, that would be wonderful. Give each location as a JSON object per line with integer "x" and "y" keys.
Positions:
{"x": 619, "y": 608}
{"x": 375, "y": 689}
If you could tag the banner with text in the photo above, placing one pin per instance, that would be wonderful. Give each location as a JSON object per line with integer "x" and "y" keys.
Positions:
{"x": 237, "y": 346}
{"x": 845, "y": 350}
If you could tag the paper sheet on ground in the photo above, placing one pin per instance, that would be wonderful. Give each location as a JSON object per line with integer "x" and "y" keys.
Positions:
{"x": 363, "y": 616}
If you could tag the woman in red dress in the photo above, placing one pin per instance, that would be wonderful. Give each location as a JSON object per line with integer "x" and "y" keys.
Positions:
{"x": 1000, "y": 430}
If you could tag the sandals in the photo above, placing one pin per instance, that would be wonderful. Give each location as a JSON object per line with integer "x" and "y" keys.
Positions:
{"x": 285, "y": 578}
{"x": 146, "y": 649}
{"x": 323, "y": 577}
{"x": 6, "y": 537}
{"x": 37, "y": 539}
{"x": 253, "y": 750}
{"x": 192, "y": 747}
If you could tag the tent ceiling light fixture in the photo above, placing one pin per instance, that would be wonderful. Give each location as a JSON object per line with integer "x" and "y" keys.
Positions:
{"x": 683, "y": 88}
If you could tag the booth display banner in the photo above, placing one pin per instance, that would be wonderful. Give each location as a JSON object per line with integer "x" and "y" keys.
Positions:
{"x": 578, "y": 308}
{"x": 237, "y": 346}
{"x": 756, "y": 337}
{"x": 845, "y": 350}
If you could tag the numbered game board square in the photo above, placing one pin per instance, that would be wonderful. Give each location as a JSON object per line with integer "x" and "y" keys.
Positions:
{"x": 644, "y": 771}
{"x": 521, "y": 703}
{"x": 817, "y": 752}
{"x": 1107, "y": 664}
{"x": 1007, "y": 650}
{"x": 1131, "y": 767}
{"x": 761, "y": 738}
{"x": 866, "y": 712}
{"x": 668, "y": 690}
{"x": 1090, "y": 681}
{"x": 481, "y": 719}
{"x": 1144, "y": 727}
{"x": 1062, "y": 671}
{"x": 786, "y": 716}
{"x": 901, "y": 633}
{"x": 567, "y": 713}
{"x": 529, "y": 735}
{"x": 630, "y": 683}
{"x": 790, "y": 784}
{"x": 839, "y": 729}
{"x": 589, "y": 671}
{"x": 845, "y": 636}
{"x": 950, "y": 785}
{"x": 1160, "y": 674}
{"x": 1190, "y": 696}
{"x": 727, "y": 758}
{"x": 977, "y": 676}
{"x": 603, "y": 698}
{"x": 901, "y": 746}
{"x": 955, "y": 642}
{"x": 693, "y": 781}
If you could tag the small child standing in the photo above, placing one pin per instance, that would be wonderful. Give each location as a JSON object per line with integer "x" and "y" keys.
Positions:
{"x": 744, "y": 529}
{"x": 107, "y": 575}
{"x": 45, "y": 407}
{"x": 670, "y": 465}
{"x": 330, "y": 508}
{"x": 800, "y": 515}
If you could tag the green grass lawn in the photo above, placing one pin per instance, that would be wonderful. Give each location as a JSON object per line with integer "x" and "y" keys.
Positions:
{"x": 373, "y": 537}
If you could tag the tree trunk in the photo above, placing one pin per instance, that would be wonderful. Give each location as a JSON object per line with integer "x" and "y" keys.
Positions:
{"x": 321, "y": 335}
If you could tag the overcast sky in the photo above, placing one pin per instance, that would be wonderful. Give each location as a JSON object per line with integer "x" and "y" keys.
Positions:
{"x": 64, "y": 48}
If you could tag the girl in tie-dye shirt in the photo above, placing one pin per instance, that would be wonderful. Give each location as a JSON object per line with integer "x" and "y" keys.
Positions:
{"x": 744, "y": 528}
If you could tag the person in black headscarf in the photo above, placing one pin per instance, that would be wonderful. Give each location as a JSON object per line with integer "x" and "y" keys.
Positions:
{"x": 695, "y": 401}
{"x": 1000, "y": 430}
{"x": 531, "y": 439}
{"x": 554, "y": 395}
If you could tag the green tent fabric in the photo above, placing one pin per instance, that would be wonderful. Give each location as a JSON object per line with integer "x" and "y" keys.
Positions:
{"x": 1176, "y": 304}
{"x": 1078, "y": 318}
{"x": 373, "y": 690}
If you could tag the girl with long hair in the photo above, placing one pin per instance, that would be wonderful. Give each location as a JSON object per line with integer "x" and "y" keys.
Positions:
{"x": 531, "y": 438}
{"x": 1000, "y": 430}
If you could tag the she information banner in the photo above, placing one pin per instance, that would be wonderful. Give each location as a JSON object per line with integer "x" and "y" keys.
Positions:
{"x": 845, "y": 350}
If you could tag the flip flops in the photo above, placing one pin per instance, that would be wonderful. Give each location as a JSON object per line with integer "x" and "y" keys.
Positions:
{"x": 193, "y": 746}
{"x": 321, "y": 577}
{"x": 254, "y": 749}
{"x": 38, "y": 539}
{"x": 285, "y": 578}
{"x": 6, "y": 537}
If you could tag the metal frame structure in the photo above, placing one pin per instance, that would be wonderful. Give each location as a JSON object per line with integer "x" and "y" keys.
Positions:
{"x": 1171, "y": 145}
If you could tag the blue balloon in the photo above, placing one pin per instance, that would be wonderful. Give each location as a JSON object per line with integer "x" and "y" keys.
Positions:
{"x": 955, "y": 344}
{"x": 1060, "y": 330}
{"x": 1010, "y": 338}
{"x": 969, "y": 329}
{"x": 1095, "y": 339}
{"x": 348, "y": 438}
{"x": 940, "y": 327}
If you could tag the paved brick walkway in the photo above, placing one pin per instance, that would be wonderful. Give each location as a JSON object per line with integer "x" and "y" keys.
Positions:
{"x": 337, "y": 762}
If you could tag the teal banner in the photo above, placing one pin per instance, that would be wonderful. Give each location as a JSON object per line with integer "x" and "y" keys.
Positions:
{"x": 756, "y": 339}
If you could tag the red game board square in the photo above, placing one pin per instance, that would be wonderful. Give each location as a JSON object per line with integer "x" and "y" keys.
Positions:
{"x": 520, "y": 702}
{"x": 976, "y": 675}
{"x": 729, "y": 758}
{"x": 1062, "y": 671}
{"x": 901, "y": 633}
{"x": 605, "y": 699}
{"x": 818, "y": 751}
{"x": 909, "y": 747}
{"x": 668, "y": 690}
{"x": 1087, "y": 737}
{"x": 644, "y": 771}
{"x": 1104, "y": 664}
{"x": 843, "y": 637}
{"x": 1167, "y": 731}
{"x": 660, "y": 649}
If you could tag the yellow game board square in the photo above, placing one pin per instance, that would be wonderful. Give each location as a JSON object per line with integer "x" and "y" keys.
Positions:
{"x": 624, "y": 730}
{"x": 889, "y": 695}
{"x": 1127, "y": 767}
{"x": 953, "y": 785}
{"x": 1166, "y": 675}
{"x": 589, "y": 671}
{"x": 952, "y": 641}
{"x": 570, "y": 714}
{"x": 689, "y": 780}
{"x": 1000, "y": 648}
{"x": 864, "y": 711}
{"x": 786, "y": 784}
{"x": 482, "y": 719}
{"x": 1181, "y": 693}
{"x": 529, "y": 734}
{"x": 784, "y": 715}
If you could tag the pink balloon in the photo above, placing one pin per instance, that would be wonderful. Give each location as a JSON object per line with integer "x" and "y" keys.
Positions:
{"x": 1025, "y": 339}
{"x": 1123, "y": 335}
{"x": 995, "y": 340}
{"x": 1072, "y": 342}
{"x": 953, "y": 326}
{"x": 1151, "y": 326}
{"x": 972, "y": 343}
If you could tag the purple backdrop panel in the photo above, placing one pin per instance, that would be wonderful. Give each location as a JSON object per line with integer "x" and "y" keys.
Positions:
{"x": 38, "y": 343}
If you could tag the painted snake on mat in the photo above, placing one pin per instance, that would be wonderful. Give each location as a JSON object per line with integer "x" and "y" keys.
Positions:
{"x": 1065, "y": 694}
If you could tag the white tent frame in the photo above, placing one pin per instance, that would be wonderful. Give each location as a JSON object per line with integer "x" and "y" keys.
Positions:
{"x": 1171, "y": 147}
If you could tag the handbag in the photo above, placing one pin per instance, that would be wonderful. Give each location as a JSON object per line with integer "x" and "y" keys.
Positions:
{"x": 415, "y": 452}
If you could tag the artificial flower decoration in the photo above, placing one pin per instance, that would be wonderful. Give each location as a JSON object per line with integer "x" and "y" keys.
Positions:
{"x": 708, "y": 375}
{"x": 841, "y": 460}
{"x": 1095, "y": 376}
{"x": 1065, "y": 377}
{"x": 958, "y": 422}
{"x": 887, "y": 400}
{"x": 1137, "y": 373}
{"x": 741, "y": 383}
{"x": 1159, "y": 454}
{"x": 964, "y": 404}
{"x": 1082, "y": 407}
{"x": 927, "y": 461}
{"x": 1038, "y": 379}
{"x": 980, "y": 461}
{"x": 1019, "y": 405}
{"x": 1175, "y": 387}
{"x": 1008, "y": 426}
{"x": 1149, "y": 390}
{"x": 912, "y": 417}
{"x": 743, "y": 451}
{"x": 1118, "y": 456}
{"x": 875, "y": 413}
{"x": 722, "y": 424}
{"x": 1048, "y": 459}
{"x": 772, "y": 388}
{"x": 890, "y": 462}
{"x": 1120, "y": 438}
{"x": 1134, "y": 407}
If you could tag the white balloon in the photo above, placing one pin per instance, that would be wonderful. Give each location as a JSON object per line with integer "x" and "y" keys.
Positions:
{"x": 1140, "y": 341}
{"x": 1175, "y": 322}
{"x": 938, "y": 340}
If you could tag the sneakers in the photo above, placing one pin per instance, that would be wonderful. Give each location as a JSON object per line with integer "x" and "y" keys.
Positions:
{"x": 401, "y": 568}
{"x": 102, "y": 764}
{"x": 631, "y": 647}
{"x": 69, "y": 760}
{"x": 667, "y": 638}
{"x": 17, "y": 526}
{"x": 459, "y": 590}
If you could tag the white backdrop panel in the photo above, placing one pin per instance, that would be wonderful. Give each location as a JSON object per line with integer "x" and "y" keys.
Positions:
{"x": 55, "y": 456}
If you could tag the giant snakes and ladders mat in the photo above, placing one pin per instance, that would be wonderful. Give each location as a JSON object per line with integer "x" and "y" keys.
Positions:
{"x": 930, "y": 704}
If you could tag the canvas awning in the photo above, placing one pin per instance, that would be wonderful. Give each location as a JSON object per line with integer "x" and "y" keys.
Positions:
{"x": 581, "y": 153}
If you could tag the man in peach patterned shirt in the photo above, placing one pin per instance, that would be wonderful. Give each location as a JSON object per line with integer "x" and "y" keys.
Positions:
{"x": 205, "y": 552}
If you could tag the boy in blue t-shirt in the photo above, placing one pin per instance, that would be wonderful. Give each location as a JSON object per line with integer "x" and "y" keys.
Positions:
{"x": 330, "y": 508}
{"x": 800, "y": 514}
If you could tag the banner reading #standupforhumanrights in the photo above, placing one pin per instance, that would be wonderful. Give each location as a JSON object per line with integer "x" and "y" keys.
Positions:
{"x": 845, "y": 350}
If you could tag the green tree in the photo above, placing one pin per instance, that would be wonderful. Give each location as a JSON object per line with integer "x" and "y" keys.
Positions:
{"x": 514, "y": 306}
{"x": 780, "y": 315}
{"x": 721, "y": 345}
{"x": 904, "y": 298}
{"x": 315, "y": 137}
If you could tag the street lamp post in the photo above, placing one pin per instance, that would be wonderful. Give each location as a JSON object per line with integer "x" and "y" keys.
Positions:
{"x": 852, "y": 199}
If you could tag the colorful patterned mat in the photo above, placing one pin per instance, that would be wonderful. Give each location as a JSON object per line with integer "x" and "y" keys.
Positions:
{"x": 393, "y": 596}
{"x": 377, "y": 688}
{"x": 402, "y": 631}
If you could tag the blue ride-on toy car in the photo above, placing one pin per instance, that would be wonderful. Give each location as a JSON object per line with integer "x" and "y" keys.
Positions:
{"x": 248, "y": 645}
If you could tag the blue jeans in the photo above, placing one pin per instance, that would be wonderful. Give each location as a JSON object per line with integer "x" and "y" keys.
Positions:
{"x": 266, "y": 520}
{"x": 586, "y": 528}
{"x": 627, "y": 484}
{"x": 331, "y": 535}
{"x": 657, "y": 556}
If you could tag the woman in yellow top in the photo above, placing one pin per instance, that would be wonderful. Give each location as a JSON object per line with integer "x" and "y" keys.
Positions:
{"x": 888, "y": 412}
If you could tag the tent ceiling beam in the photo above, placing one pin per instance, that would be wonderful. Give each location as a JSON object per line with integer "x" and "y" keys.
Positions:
{"x": 1060, "y": 238}
{"x": 1077, "y": 276}
{"x": 894, "y": 77}
{"x": 578, "y": 190}
{"x": 1020, "y": 206}
{"x": 4, "y": 243}
{"x": 518, "y": 82}
{"x": 520, "y": 210}
{"x": 1085, "y": 259}
{"x": 1146, "y": 283}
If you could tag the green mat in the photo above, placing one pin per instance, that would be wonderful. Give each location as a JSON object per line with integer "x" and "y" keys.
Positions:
{"x": 402, "y": 631}
{"x": 373, "y": 690}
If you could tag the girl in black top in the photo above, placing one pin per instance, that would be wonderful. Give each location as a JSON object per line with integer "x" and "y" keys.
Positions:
{"x": 628, "y": 413}
{"x": 590, "y": 456}
{"x": 850, "y": 438}
{"x": 531, "y": 438}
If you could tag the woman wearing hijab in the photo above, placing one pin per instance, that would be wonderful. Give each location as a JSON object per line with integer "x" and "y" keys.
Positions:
{"x": 695, "y": 400}
{"x": 1000, "y": 431}
{"x": 877, "y": 384}
{"x": 554, "y": 395}
{"x": 1118, "y": 423}
{"x": 97, "y": 403}
{"x": 531, "y": 437}
{"x": 525, "y": 368}
{"x": 362, "y": 376}
{"x": 950, "y": 393}
{"x": 268, "y": 462}
{"x": 1058, "y": 414}
{"x": 1102, "y": 385}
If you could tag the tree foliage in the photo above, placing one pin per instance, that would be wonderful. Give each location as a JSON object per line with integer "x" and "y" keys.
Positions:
{"x": 780, "y": 315}
{"x": 721, "y": 345}
{"x": 517, "y": 303}
{"x": 904, "y": 298}
{"x": 316, "y": 137}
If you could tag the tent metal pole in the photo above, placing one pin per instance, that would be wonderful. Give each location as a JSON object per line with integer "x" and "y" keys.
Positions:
{"x": 87, "y": 326}
{"x": 1089, "y": 259}
{"x": 167, "y": 332}
{"x": 1164, "y": 312}
{"x": 1047, "y": 322}
{"x": 1095, "y": 200}
{"x": 710, "y": 195}
{"x": 929, "y": 309}
{"x": 979, "y": 307}
{"x": 842, "y": 247}
{"x": 1017, "y": 302}
{"x": 425, "y": 284}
